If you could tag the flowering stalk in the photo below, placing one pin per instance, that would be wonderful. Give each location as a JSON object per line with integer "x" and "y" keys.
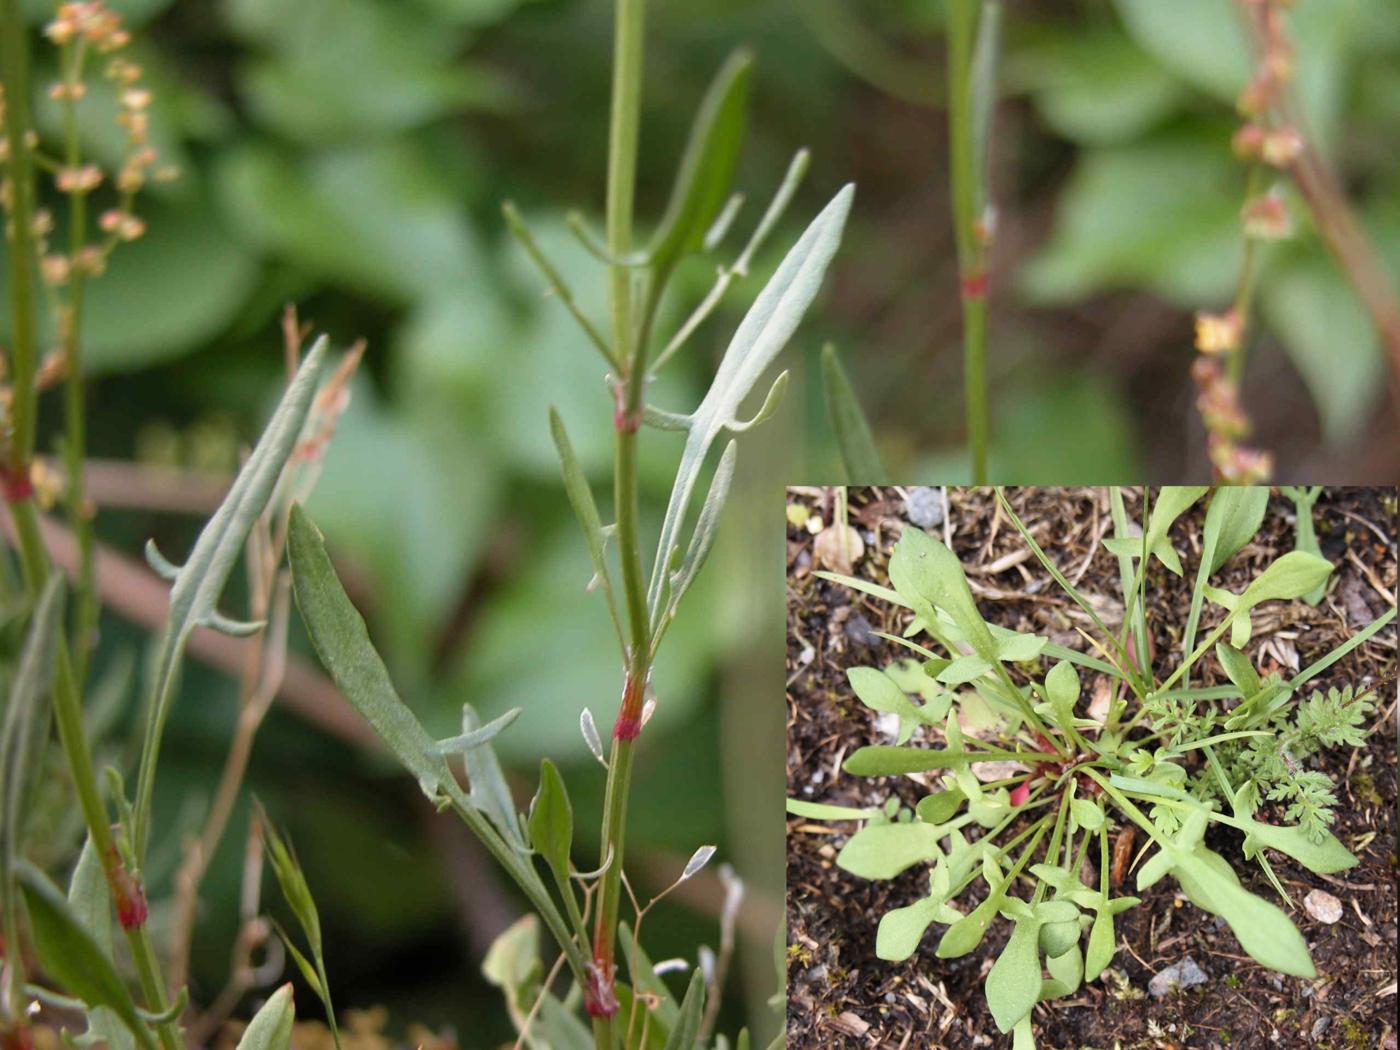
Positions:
{"x": 1266, "y": 143}
{"x": 82, "y": 31}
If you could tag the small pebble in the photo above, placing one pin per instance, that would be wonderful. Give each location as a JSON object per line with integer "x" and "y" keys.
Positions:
{"x": 887, "y": 724}
{"x": 858, "y": 630}
{"x": 1322, "y": 906}
{"x": 1185, "y": 974}
{"x": 924, "y": 507}
{"x": 1320, "y": 1025}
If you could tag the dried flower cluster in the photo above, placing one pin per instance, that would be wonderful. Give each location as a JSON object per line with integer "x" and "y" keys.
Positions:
{"x": 1266, "y": 142}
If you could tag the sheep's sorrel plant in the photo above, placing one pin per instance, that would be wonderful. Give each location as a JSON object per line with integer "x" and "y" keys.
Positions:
{"x": 1059, "y": 776}
{"x": 79, "y": 972}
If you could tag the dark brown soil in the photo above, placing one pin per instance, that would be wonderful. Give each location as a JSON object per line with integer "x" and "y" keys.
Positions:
{"x": 840, "y": 994}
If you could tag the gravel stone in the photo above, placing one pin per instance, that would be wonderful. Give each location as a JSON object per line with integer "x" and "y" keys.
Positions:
{"x": 1182, "y": 975}
{"x": 924, "y": 506}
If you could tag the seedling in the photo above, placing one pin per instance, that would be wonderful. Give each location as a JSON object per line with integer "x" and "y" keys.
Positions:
{"x": 1160, "y": 758}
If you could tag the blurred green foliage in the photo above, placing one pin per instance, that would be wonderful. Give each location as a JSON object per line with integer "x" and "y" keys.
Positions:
{"x": 351, "y": 155}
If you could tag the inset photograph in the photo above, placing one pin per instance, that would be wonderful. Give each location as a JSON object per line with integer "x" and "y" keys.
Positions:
{"x": 1091, "y": 767}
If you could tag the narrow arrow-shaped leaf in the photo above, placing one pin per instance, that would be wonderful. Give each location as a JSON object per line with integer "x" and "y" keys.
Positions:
{"x": 200, "y": 582}
{"x": 763, "y": 333}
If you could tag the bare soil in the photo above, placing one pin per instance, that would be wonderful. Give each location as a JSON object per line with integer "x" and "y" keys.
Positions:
{"x": 840, "y": 994}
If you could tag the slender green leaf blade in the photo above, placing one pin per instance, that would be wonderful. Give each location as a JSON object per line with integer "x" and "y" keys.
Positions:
{"x": 341, "y": 640}
{"x": 822, "y": 811}
{"x": 880, "y": 760}
{"x": 71, "y": 954}
{"x": 687, "y": 1027}
{"x": 854, "y": 441}
{"x": 707, "y": 166}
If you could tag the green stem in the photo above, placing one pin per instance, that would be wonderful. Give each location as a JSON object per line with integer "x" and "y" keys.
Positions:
{"x": 68, "y": 716}
{"x": 968, "y": 196}
{"x": 75, "y": 438}
{"x": 14, "y": 56}
{"x": 630, "y": 349}
{"x": 67, "y": 699}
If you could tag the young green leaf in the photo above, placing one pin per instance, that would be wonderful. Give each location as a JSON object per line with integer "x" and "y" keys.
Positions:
{"x": 687, "y": 1026}
{"x": 707, "y": 166}
{"x": 1262, "y": 928}
{"x": 200, "y": 581}
{"x": 1066, "y": 969}
{"x": 341, "y": 640}
{"x": 924, "y": 570}
{"x": 1291, "y": 576}
{"x": 552, "y": 821}
{"x": 935, "y": 809}
{"x": 296, "y": 891}
{"x": 586, "y": 510}
{"x": 763, "y": 333}
{"x": 854, "y": 441}
{"x": 877, "y": 691}
{"x": 821, "y": 811}
{"x": 1303, "y": 499}
{"x": 271, "y": 1026}
{"x": 878, "y": 760}
{"x": 91, "y": 903}
{"x": 901, "y": 929}
{"x": 339, "y": 636}
{"x": 1013, "y": 985}
{"x": 489, "y": 791}
{"x": 1087, "y": 814}
{"x": 23, "y": 732}
{"x": 1324, "y": 856}
{"x": 1238, "y": 669}
{"x": 1172, "y": 502}
{"x": 1233, "y": 518}
{"x": 706, "y": 529}
{"x": 71, "y": 955}
{"x": 967, "y": 933}
{"x": 882, "y": 851}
